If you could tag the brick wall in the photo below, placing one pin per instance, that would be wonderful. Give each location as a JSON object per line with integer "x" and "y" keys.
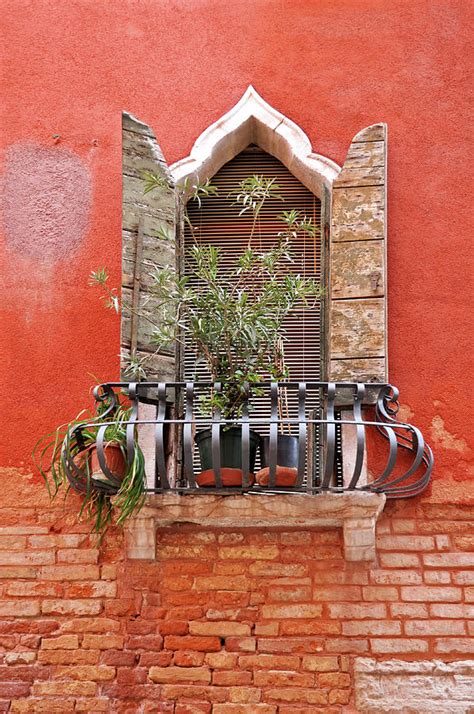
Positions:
{"x": 223, "y": 622}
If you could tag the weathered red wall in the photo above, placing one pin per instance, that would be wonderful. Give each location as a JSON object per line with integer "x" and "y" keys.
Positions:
{"x": 334, "y": 67}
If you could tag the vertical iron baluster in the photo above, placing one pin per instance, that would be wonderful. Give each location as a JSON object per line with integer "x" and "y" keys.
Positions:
{"x": 131, "y": 427}
{"x": 245, "y": 440}
{"x": 273, "y": 444}
{"x": 302, "y": 434}
{"x": 360, "y": 435}
{"x": 216, "y": 440}
{"x": 188, "y": 435}
{"x": 160, "y": 457}
{"x": 330, "y": 435}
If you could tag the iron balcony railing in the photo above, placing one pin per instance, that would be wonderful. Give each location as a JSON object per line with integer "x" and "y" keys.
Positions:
{"x": 342, "y": 442}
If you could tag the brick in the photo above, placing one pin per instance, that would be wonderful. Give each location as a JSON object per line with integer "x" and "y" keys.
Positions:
{"x": 145, "y": 642}
{"x": 278, "y": 569}
{"x": 419, "y": 593}
{"x": 449, "y": 560}
{"x": 193, "y": 708}
{"x": 290, "y": 594}
{"x": 71, "y": 607}
{"x": 464, "y": 577}
{"x": 334, "y": 679}
{"x": 469, "y": 594}
{"x": 434, "y": 627}
{"x": 450, "y": 645}
{"x": 339, "y": 696}
{"x": 12, "y": 542}
{"x": 188, "y": 642}
{"x": 345, "y": 593}
{"x": 320, "y": 664}
{"x": 27, "y": 557}
{"x": 12, "y": 658}
{"x": 182, "y": 658}
{"x": 19, "y": 608}
{"x": 68, "y": 656}
{"x": 73, "y": 555}
{"x": 88, "y": 706}
{"x": 443, "y": 542}
{"x": 224, "y": 678}
{"x": 243, "y": 695}
{"x": 266, "y": 661}
{"x": 173, "y": 627}
{"x": 243, "y": 709}
{"x": 229, "y": 568}
{"x": 249, "y": 552}
{"x": 266, "y": 629}
{"x": 102, "y": 642}
{"x": 465, "y": 542}
{"x": 56, "y": 540}
{"x": 240, "y": 644}
{"x": 291, "y": 611}
{"x": 371, "y": 627}
{"x": 396, "y": 577}
{"x": 437, "y": 577}
{"x": 293, "y": 645}
{"x": 222, "y": 582}
{"x": 399, "y": 560}
{"x": 295, "y": 537}
{"x": 350, "y": 646}
{"x": 314, "y": 627}
{"x": 398, "y": 645}
{"x": 357, "y": 611}
{"x": 230, "y": 538}
{"x": 70, "y": 572}
{"x": 292, "y": 694}
{"x": 99, "y": 673}
{"x": 44, "y": 706}
{"x": 220, "y": 629}
{"x": 379, "y": 593}
{"x": 408, "y": 542}
{"x": 452, "y": 611}
{"x": 179, "y": 674}
{"x": 11, "y": 572}
{"x": 276, "y": 678}
{"x": 153, "y": 659}
{"x": 173, "y": 552}
{"x": 408, "y": 610}
{"x": 88, "y": 624}
{"x": 63, "y": 642}
{"x": 178, "y": 583}
{"x": 83, "y": 689}
{"x": 32, "y": 589}
{"x": 221, "y": 660}
{"x": 404, "y": 525}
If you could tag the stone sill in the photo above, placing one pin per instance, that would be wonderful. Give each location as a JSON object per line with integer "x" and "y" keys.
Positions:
{"x": 355, "y": 512}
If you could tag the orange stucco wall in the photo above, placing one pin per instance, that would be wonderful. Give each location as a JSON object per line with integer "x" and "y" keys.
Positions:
{"x": 333, "y": 67}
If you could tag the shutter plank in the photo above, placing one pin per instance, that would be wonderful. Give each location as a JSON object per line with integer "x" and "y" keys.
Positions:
{"x": 157, "y": 213}
{"x": 357, "y": 261}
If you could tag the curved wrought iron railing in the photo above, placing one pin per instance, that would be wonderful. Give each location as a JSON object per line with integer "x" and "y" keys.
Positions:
{"x": 348, "y": 442}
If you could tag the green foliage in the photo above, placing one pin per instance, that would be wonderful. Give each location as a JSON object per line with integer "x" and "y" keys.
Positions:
{"x": 72, "y": 442}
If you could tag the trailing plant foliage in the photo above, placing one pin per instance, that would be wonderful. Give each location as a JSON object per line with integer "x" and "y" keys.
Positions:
{"x": 232, "y": 317}
{"x": 67, "y": 451}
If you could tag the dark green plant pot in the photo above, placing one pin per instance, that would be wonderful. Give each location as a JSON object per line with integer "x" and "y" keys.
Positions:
{"x": 231, "y": 448}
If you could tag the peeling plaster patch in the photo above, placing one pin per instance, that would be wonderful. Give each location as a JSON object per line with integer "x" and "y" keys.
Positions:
{"x": 47, "y": 198}
{"x": 405, "y": 413}
{"x": 442, "y": 437}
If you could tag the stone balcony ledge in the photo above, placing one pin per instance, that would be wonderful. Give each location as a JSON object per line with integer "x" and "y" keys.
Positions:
{"x": 356, "y": 512}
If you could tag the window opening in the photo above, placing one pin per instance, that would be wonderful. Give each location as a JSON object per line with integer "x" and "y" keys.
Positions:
{"x": 218, "y": 223}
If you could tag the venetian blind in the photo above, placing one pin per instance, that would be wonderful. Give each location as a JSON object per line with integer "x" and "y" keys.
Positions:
{"x": 218, "y": 223}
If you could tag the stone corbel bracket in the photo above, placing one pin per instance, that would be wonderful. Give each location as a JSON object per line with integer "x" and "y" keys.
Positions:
{"x": 355, "y": 512}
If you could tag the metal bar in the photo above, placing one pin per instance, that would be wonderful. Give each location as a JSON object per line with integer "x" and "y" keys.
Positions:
{"x": 273, "y": 441}
{"x": 302, "y": 435}
{"x": 161, "y": 471}
{"x": 134, "y": 318}
{"x": 188, "y": 434}
{"x": 330, "y": 444}
{"x": 245, "y": 440}
{"x": 360, "y": 435}
{"x": 216, "y": 440}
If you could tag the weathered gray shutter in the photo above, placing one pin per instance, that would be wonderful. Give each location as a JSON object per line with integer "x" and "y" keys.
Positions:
{"x": 148, "y": 241}
{"x": 358, "y": 313}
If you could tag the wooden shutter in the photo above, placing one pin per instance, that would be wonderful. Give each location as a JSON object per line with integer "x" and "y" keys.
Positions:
{"x": 358, "y": 313}
{"x": 148, "y": 240}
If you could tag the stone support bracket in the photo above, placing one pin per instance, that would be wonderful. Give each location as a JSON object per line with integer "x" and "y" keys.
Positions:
{"x": 355, "y": 512}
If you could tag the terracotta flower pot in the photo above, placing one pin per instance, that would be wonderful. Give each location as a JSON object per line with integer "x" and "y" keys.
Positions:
{"x": 114, "y": 460}
{"x": 230, "y": 478}
{"x": 285, "y": 476}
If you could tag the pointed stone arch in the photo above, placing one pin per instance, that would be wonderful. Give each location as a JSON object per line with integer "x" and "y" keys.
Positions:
{"x": 253, "y": 121}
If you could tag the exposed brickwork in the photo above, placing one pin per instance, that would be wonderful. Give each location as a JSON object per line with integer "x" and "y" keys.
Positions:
{"x": 223, "y": 622}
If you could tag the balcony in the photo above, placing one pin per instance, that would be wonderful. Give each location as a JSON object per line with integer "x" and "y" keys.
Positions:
{"x": 346, "y": 457}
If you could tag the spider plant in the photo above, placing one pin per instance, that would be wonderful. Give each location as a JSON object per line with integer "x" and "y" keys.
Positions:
{"x": 65, "y": 459}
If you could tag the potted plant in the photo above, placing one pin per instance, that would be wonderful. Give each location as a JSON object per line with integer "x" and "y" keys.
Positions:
{"x": 105, "y": 478}
{"x": 232, "y": 316}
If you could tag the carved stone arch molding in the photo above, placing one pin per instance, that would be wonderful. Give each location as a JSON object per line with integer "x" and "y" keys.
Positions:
{"x": 355, "y": 229}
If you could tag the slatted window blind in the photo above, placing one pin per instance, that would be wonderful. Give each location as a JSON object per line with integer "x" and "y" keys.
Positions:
{"x": 218, "y": 223}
